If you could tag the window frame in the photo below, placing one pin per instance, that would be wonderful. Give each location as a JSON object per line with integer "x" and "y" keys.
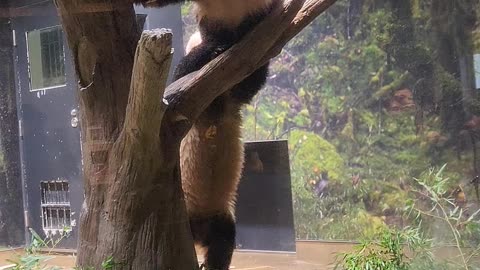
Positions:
{"x": 29, "y": 69}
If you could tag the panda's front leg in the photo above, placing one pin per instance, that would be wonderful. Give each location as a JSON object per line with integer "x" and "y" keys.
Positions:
{"x": 198, "y": 57}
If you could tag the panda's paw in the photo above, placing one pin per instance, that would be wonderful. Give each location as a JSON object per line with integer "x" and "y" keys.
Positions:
{"x": 219, "y": 50}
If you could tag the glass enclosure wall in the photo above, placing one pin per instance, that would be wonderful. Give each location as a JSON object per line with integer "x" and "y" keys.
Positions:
{"x": 379, "y": 101}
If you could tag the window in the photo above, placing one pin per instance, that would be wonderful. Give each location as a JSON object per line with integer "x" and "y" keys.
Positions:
{"x": 56, "y": 212}
{"x": 46, "y": 58}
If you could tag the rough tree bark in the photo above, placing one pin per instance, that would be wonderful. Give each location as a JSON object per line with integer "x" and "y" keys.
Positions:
{"x": 134, "y": 209}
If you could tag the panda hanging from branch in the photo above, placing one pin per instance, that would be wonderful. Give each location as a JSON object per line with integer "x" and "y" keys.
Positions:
{"x": 211, "y": 154}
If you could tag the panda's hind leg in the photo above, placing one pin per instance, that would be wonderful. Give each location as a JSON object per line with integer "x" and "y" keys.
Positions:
{"x": 220, "y": 242}
{"x": 217, "y": 234}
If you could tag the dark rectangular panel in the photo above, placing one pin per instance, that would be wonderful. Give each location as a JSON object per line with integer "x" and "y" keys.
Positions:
{"x": 264, "y": 211}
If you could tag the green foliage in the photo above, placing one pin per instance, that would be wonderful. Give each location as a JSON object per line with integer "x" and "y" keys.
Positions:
{"x": 186, "y": 8}
{"x": 264, "y": 113}
{"x": 388, "y": 253}
{"x": 336, "y": 85}
{"x": 310, "y": 151}
{"x": 438, "y": 213}
{"x": 414, "y": 249}
{"x": 40, "y": 250}
{"x": 110, "y": 264}
{"x": 34, "y": 259}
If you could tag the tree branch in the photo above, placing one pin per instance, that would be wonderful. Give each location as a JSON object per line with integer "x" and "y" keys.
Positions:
{"x": 310, "y": 10}
{"x": 150, "y": 71}
{"x": 190, "y": 95}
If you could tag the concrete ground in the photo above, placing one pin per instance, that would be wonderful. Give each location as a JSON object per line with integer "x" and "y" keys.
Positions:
{"x": 310, "y": 255}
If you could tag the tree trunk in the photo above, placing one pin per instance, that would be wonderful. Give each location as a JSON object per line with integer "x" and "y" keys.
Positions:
{"x": 134, "y": 209}
{"x": 11, "y": 206}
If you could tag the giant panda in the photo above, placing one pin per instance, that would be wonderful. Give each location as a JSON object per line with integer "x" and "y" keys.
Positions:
{"x": 211, "y": 154}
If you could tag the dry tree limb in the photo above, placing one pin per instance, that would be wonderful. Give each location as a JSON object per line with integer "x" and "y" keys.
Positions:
{"x": 190, "y": 95}
{"x": 149, "y": 79}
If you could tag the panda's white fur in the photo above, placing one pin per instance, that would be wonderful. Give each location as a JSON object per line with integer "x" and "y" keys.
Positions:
{"x": 229, "y": 12}
{"x": 194, "y": 41}
{"x": 211, "y": 160}
{"x": 212, "y": 189}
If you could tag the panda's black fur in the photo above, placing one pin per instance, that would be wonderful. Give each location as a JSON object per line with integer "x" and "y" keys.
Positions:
{"x": 211, "y": 154}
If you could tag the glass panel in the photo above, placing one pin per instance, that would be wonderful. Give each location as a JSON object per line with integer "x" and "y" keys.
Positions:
{"x": 380, "y": 104}
{"x": 46, "y": 58}
{"x": 476, "y": 60}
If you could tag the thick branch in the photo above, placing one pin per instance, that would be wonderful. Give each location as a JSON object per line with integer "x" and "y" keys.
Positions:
{"x": 190, "y": 95}
{"x": 134, "y": 209}
{"x": 310, "y": 10}
{"x": 150, "y": 71}
{"x": 137, "y": 149}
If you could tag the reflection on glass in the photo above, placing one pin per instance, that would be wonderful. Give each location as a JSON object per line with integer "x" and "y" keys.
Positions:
{"x": 477, "y": 70}
{"x": 46, "y": 58}
{"x": 375, "y": 97}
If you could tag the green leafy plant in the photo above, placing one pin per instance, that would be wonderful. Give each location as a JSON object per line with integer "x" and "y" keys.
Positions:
{"x": 387, "y": 253}
{"x": 439, "y": 212}
{"x": 33, "y": 258}
{"x": 40, "y": 250}
{"x": 438, "y": 221}
{"x": 108, "y": 264}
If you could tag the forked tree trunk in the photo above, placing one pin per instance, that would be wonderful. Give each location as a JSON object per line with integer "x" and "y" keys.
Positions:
{"x": 134, "y": 210}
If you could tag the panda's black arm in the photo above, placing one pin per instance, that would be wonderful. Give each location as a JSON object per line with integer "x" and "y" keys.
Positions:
{"x": 206, "y": 52}
{"x": 244, "y": 91}
{"x": 157, "y": 3}
{"x": 198, "y": 57}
